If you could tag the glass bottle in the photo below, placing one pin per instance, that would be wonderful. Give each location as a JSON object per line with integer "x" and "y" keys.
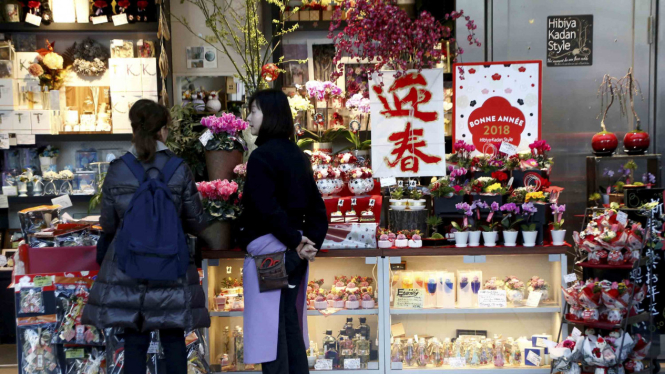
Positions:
{"x": 240, "y": 349}
{"x": 423, "y": 357}
{"x": 396, "y": 353}
{"x": 485, "y": 352}
{"x": 346, "y": 348}
{"x": 516, "y": 354}
{"x": 225, "y": 340}
{"x": 435, "y": 352}
{"x": 499, "y": 360}
{"x": 348, "y": 327}
{"x": 447, "y": 350}
{"x": 409, "y": 354}
{"x": 330, "y": 348}
{"x": 364, "y": 330}
{"x": 362, "y": 351}
{"x": 475, "y": 353}
{"x": 457, "y": 349}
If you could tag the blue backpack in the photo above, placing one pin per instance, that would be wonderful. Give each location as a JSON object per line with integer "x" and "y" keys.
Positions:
{"x": 151, "y": 243}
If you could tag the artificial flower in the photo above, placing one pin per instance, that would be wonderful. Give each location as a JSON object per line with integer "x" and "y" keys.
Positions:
{"x": 53, "y": 61}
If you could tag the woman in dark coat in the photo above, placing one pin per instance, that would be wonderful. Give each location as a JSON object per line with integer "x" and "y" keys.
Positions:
{"x": 135, "y": 306}
{"x": 283, "y": 211}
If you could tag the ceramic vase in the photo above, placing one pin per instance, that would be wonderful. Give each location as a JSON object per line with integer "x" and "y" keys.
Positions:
{"x": 510, "y": 238}
{"x": 558, "y": 237}
{"x": 529, "y": 238}
{"x": 604, "y": 143}
{"x": 489, "y": 238}
{"x": 326, "y": 186}
{"x": 357, "y": 186}
{"x": 461, "y": 238}
{"x": 474, "y": 238}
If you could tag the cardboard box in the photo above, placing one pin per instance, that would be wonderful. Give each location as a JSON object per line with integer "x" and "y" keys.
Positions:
{"x": 118, "y": 74}
{"x": 22, "y": 122}
{"x": 149, "y": 76}
{"x": 326, "y": 15}
{"x": 40, "y": 121}
{"x": 23, "y": 62}
{"x": 7, "y": 120}
{"x": 7, "y": 94}
{"x": 133, "y": 77}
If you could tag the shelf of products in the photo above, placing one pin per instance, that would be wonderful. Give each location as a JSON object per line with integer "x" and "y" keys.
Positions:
{"x": 341, "y": 312}
{"x": 507, "y": 310}
{"x": 45, "y": 200}
{"x": 139, "y": 27}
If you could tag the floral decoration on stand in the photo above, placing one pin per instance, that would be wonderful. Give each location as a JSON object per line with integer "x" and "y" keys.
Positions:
{"x": 227, "y": 132}
{"x": 49, "y": 68}
{"x": 221, "y": 199}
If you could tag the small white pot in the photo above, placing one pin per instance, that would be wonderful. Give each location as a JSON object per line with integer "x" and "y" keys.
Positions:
{"x": 420, "y": 202}
{"x": 510, "y": 238}
{"x": 461, "y": 238}
{"x": 558, "y": 237}
{"x": 489, "y": 238}
{"x": 529, "y": 238}
{"x": 474, "y": 238}
{"x": 398, "y": 202}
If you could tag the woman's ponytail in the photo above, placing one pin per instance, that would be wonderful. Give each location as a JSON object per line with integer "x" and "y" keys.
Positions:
{"x": 147, "y": 119}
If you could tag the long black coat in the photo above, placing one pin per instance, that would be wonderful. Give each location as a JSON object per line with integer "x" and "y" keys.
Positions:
{"x": 117, "y": 300}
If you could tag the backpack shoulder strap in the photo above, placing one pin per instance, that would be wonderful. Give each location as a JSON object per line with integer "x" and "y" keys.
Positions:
{"x": 170, "y": 167}
{"x": 134, "y": 165}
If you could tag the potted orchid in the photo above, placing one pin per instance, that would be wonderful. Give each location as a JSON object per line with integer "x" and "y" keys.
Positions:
{"x": 558, "y": 233}
{"x": 489, "y": 230}
{"x": 221, "y": 202}
{"x": 509, "y": 223}
{"x": 474, "y": 230}
{"x": 461, "y": 233}
{"x": 529, "y": 233}
{"x": 225, "y": 144}
{"x": 461, "y": 155}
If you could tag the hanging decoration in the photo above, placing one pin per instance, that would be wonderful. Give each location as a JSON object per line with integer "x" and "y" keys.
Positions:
{"x": 269, "y": 72}
{"x": 163, "y": 33}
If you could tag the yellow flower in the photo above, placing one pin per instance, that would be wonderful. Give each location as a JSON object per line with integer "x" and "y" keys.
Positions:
{"x": 53, "y": 61}
{"x": 534, "y": 196}
{"x": 493, "y": 188}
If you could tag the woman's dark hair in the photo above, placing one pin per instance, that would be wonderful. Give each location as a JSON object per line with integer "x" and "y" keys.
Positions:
{"x": 147, "y": 119}
{"x": 277, "y": 118}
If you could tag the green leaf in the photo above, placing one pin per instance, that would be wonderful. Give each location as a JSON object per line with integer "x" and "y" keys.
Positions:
{"x": 486, "y": 228}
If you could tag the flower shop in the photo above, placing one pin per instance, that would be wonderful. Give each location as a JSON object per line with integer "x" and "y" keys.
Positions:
{"x": 451, "y": 143}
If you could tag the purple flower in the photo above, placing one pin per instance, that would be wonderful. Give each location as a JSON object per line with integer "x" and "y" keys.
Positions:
{"x": 479, "y": 204}
{"x": 648, "y": 178}
{"x": 528, "y": 209}
{"x": 608, "y": 173}
{"x": 556, "y": 209}
{"x": 625, "y": 172}
{"x": 494, "y": 207}
{"x": 510, "y": 208}
{"x": 465, "y": 207}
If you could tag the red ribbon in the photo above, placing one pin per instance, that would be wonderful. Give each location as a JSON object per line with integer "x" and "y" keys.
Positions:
{"x": 34, "y": 4}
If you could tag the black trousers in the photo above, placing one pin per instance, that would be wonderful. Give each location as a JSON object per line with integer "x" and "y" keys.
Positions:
{"x": 291, "y": 351}
{"x": 136, "y": 351}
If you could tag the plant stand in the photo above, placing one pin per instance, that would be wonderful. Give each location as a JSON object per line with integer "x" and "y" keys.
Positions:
{"x": 408, "y": 220}
{"x": 594, "y": 172}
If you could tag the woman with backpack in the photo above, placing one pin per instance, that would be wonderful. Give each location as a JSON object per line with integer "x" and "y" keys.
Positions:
{"x": 283, "y": 213}
{"x": 148, "y": 280}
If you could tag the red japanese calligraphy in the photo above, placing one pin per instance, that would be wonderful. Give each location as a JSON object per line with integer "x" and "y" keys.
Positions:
{"x": 412, "y": 99}
{"x": 409, "y": 141}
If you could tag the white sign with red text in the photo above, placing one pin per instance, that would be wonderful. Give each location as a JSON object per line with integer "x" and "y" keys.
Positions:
{"x": 497, "y": 102}
{"x": 408, "y": 137}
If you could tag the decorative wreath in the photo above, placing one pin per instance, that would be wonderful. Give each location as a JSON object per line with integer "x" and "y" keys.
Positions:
{"x": 89, "y": 58}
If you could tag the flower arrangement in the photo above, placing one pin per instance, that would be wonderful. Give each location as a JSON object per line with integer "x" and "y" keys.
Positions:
{"x": 322, "y": 90}
{"x": 298, "y": 103}
{"x": 221, "y": 199}
{"x": 90, "y": 58}
{"x": 482, "y": 182}
{"x": 346, "y": 158}
{"x": 500, "y": 176}
{"x": 362, "y": 173}
{"x": 491, "y": 224}
{"x": 230, "y": 282}
{"x": 528, "y": 210}
{"x": 648, "y": 178}
{"x": 457, "y": 174}
{"x": 538, "y": 284}
{"x": 495, "y": 189}
{"x": 443, "y": 188}
{"x": 358, "y": 102}
{"x": 381, "y": 31}
{"x": 512, "y": 283}
{"x": 320, "y": 158}
{"x": 493, "y": 284}
{"x": 51, "y": 175}
{"x": 461, "y": 155}
{"x": 557, "y": 211}
{"x": 66, "y": 175}
{"x": 240, "y": 170}
{"x": 49, "y": 68}
{"x": 49, "y": 151}
{"x": 227, "y": 132}
{"x": 468, "y": 212}
{"x": 539, "y": 150}
{"x": 536, "y": 196}
{"x": 518, "y": 195}
{"x": 510, "y": 221}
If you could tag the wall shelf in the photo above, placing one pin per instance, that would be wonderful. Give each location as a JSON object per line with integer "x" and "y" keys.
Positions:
{"x": 507, "y": 310}
{"x": 147, "y": 27}
{"x": 343, "y": 312}
{"x": 45, "y": 200}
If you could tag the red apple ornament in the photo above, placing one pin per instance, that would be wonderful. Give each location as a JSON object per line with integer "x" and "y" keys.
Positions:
{"x": 636, "y": 142}
{"x": 604, "y": 143}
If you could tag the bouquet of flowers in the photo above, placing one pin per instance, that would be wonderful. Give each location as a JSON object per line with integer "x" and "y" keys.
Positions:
{"x": 227, "y": 132}
{"x": 461, "y": 155}
{"x": 514, "y": 289}
{"x": 597, "y": 352}
{"x": 518, "y": 195}
{"x": 571, "y": 295}
{"x": 328, "y": 173}
{"x": 589, "y": 298}
{"x": 49, "y": 68}
{"x": 493, "y": 284}
{"x": 221, "y": 199}
{"x": 567, "y": 354}
{"x": 320, "y": 158}
{"x": 444, "y": 188}
{"x": 538, "y": 284}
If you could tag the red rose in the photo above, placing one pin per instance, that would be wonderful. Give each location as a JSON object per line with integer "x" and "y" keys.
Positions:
{"x": 142, "y": 4}
{"x": 123, "y": 3}
{"x": 34, "y": 4}
{"x": 101, "y": 4}
{"x": 475, "y": 161}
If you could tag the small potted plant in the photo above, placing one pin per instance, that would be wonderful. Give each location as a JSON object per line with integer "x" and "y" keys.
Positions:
{"x": 397, "y": 201}
{"x": 48, "y": 158}
{"x": 474, "y": 227}
{"x": 461, "y": 233}
{"x": 401, "y": 241}
{"x": 224, "y": 149}
{"x": 415, "y": 241}
{"x": 339, "y": 300}
{"x": 367, "y": 302}
{"x": 384, "y": 242}
{"x": 509, "y": 223}
{"x": 558, "y": 233}
{"x": 221, "y": 203}
{"x": 352, "y": 301}
{"x": 416, "y": 202}
{"x": 435, "y": 238}
{"x": 514, "y": 289}
{"x": 538, "y": 284}
{"x": 445, "y": 194}
{"x": 529, "y": 233}
{"x": 320, "y": 302}
{"x": 489, "y": 230}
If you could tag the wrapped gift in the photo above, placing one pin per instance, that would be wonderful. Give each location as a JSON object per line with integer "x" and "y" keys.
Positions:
{"x": 534, "y": 356}
{"x": 350, "y": 236}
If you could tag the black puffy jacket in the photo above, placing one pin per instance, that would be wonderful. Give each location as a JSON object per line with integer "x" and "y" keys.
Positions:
{"x": 117, "y": 300}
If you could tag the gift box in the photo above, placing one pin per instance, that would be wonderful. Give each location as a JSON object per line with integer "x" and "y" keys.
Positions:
{"x": 538, "y": 351}
{"x": 149, "y": 76}
{"x": 118, "y": 75}
{"x": 133, "y": 76}
{"x": 6, "y": 120}
{"x": 468, "y": 284}
{"x": 40, "y": 121}
{"x": 534, "y": 340}
{"x": 7, "y": 94}
{"x": 350, "y": 236}
{"x": 446, "y": 205}
{"x": 22, "y": 122}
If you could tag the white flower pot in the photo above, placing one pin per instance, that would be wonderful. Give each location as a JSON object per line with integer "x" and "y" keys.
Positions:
{"x": 529, "y": 238}
{"x": 22, "y": 189}
{"x": 509, "y": 238}
{"x": 352, "y": 304}
{"x": 558, "y": 237}
{"x": 46, "y": 162}
{"x": 367, "y": 304}
{"x": 474, "y": 238}
{"x": 461, "y": 238}
{"x": 420, "y": 202}
{"x": 320, "y": 305}
{"x": 489, "y": 238}
{"x": 213, "y": 105}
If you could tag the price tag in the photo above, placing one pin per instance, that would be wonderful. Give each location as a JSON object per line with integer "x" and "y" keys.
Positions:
{"x": 4, "y": 202}
{"x": 492, "y": 299}
{"x": 372, "y": 202}
{"x": 510, "y": 182}
{"x": 117, "y": 42}
{"x": 387, "y": 182}
{"x": 75, "y": 353}
{"x": 99, "y": 19}
{"x": 323, "y": 364}
{"x": 508, "y": 148}
{"x": 457, "y": 362}
{"x": 622, "y": 217}
{"x": 205, "y": 137}
{"x": 410, "y": 298}
{"x": 352, "y": 363}
{"x": 533, "y": 358}
{"x": 153, "y": 348}
{"x": 80, "y": 330}
{"x": 570, "y": 278}
{"x": 64, "y": 201}
{"x": 413, "y": 183}
{"x": 33, "y": 19}
{"x": 120, "y": 19}
{"x": 42, "y": 281}
{"x": 340, "y": 203}
{"x": 4, "y": 139}
{"x": 534, "y": 299}
{"x": 540, "y": 342}
{"x": 576, "y": 333}
{"x": 353, "y": 202}
{"x": 400, "y": 183}
{"x": 25, "y": 139}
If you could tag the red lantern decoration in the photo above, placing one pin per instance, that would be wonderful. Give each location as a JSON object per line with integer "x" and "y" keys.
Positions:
{"x": 269, "y": 72}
